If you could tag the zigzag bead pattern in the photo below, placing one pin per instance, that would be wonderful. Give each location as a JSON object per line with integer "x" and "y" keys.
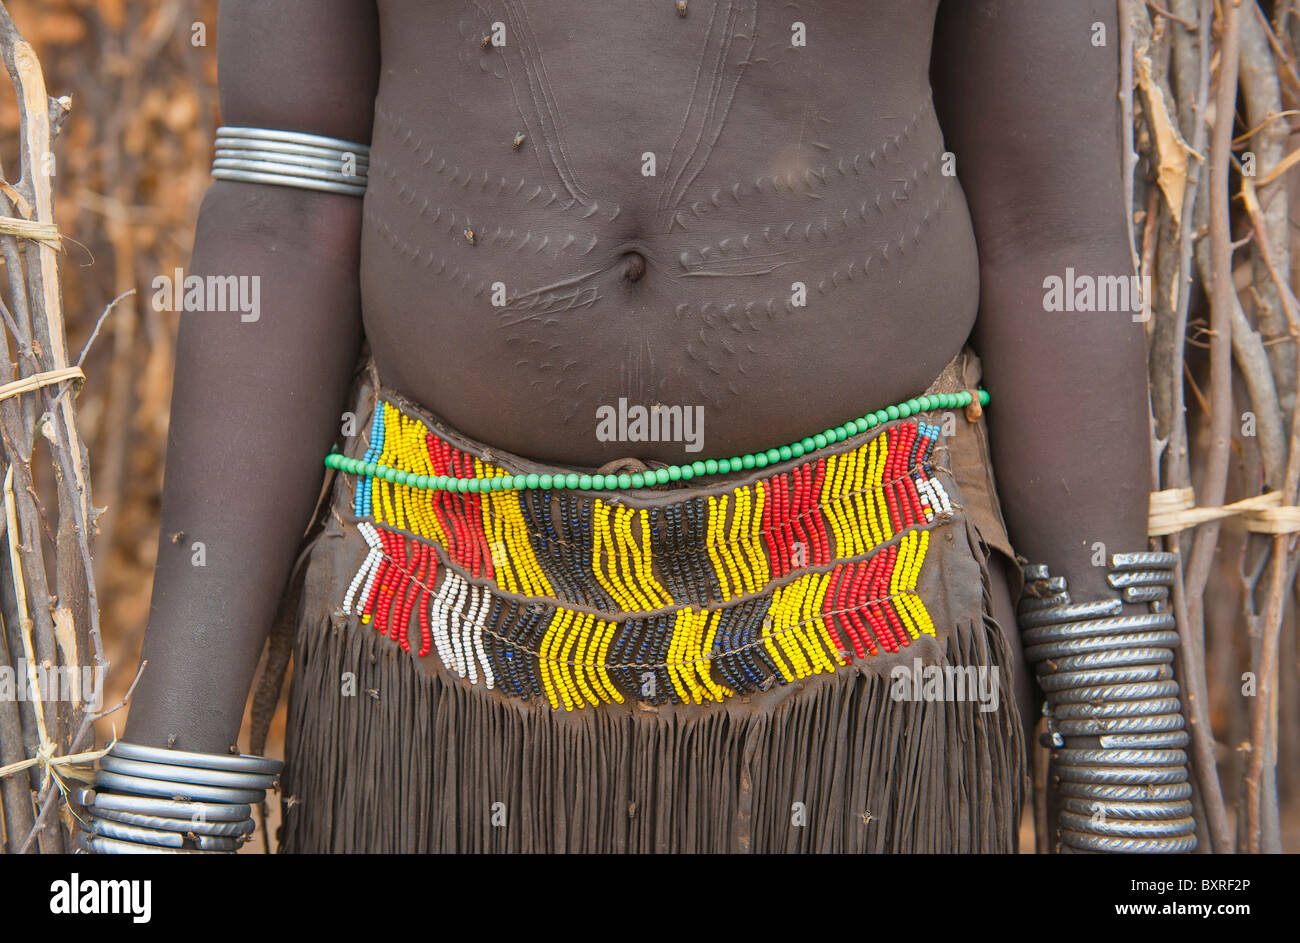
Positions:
{"x": 576, "y": 600}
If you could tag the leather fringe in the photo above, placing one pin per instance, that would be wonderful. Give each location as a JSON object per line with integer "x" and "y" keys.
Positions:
{"x": 397, "y": 760}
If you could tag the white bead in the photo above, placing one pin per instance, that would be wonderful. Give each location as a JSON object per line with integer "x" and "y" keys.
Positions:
{"x": 370, "y": 566}
{"x": 488, "y": 678}
{"x": 467, "y": 632}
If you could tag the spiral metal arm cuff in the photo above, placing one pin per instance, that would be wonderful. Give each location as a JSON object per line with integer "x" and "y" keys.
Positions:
{"x": 291, "y": 159}
{"x": 1114, "y": 719}
{"x": 148, "y": 800}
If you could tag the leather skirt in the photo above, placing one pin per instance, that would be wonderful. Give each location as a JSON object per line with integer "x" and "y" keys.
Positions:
{"x": 795, "y": 657}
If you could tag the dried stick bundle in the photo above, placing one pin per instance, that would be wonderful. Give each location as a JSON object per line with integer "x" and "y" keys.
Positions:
{"x": 47, "y": 594}
{"x": 1205, "y": 95}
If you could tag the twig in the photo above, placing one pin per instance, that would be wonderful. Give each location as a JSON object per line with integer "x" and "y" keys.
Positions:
{"x": 126, "y": 698}
{"x": 1187, "y": 600}
{"x": 1262, "y": 98}
{"x": 1221, "y": 299}
{"x": 1189, "y": 26}
{"x": 95, "y": 333}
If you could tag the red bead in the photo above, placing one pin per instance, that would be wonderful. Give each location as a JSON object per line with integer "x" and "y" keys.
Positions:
{"x": 854, "y": 609}
{"x": 401, "y": 578}
{"x": 828, "y": 608}
{"x": 848, "y": 575}
{"x": 879, "y": 588}
{"x": 373, "y": 595}
{"x": 415, "y": 576}
{"x": 892, "y": 501}
{"x": 429, "y": 564}
{"x": 767, "y": 529}
{"x": 818, "y": 476}
{"x": 802, "y": 528}
{"x": 781, "y": 530}
{"x": 385, "y": 578}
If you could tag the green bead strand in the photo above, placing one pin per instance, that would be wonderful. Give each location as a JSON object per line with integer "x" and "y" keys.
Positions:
{"x": 660, "y": 476}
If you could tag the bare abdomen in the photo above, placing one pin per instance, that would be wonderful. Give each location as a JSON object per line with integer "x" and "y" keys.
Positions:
{"x": 713, "y": 219}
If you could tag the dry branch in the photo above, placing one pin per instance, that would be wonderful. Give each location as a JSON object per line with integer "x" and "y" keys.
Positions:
{"x": 56, "y": 613}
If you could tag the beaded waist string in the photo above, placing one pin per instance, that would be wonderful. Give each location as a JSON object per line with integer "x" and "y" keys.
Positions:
{"x": 540, "y": 587}
{"x": 595, "y": 482}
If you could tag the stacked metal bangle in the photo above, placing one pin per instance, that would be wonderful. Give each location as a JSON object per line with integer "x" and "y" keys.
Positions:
{"x": 150, "y": 800}
{"x": 1115, "y": 722}
{"x": 291, "y": 159}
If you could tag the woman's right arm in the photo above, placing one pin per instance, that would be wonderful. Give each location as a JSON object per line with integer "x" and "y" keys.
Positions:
{"x": 257, "y": 402}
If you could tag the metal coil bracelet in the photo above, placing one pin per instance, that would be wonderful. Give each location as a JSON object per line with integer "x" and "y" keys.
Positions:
{"x": 1114, "y": 719}
{"x": 291, "y": 159}
{"x": 149, "y": 800}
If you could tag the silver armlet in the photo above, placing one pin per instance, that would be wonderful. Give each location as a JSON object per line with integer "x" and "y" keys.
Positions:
{"x": 291, "y": 159}
{"x": 149, "y": 800}
{"x": 1115, "y": 722}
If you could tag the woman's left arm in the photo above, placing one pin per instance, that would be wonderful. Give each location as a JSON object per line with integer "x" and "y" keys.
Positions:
{"x": 1027, "y": 92}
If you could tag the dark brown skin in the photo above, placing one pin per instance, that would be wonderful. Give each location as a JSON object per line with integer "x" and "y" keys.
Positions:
{"x": 672, "y": 288}
{"x": 770, "y": 169}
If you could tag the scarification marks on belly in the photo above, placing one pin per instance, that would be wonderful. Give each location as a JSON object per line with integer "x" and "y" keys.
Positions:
{"x": 436, "y": 265}
{"x": 558, "y": 387}
{"x": 743, "y": 316}
{"x": 534, "y": 304}
{"x": 453, "y": 174}
{"x": 722, "y": 63}
{"x": 762, "y": 252}
{"x": 721, "y": 341}
{"x": 565, "y": 295}
{"x": 535, "y": 98}
{"x": 638, "y": 371}
{"x": 454, "y": 224}
{"x": 812, "y": 183}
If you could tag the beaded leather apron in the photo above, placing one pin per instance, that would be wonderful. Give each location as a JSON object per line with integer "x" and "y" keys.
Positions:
{"x": 727, "y": 609}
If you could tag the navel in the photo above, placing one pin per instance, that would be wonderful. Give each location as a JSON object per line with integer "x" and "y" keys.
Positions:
{"x": 633, "y": 266}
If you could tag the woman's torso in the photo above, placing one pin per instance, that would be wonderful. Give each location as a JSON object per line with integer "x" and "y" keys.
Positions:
{"x": 774, "y": 164}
